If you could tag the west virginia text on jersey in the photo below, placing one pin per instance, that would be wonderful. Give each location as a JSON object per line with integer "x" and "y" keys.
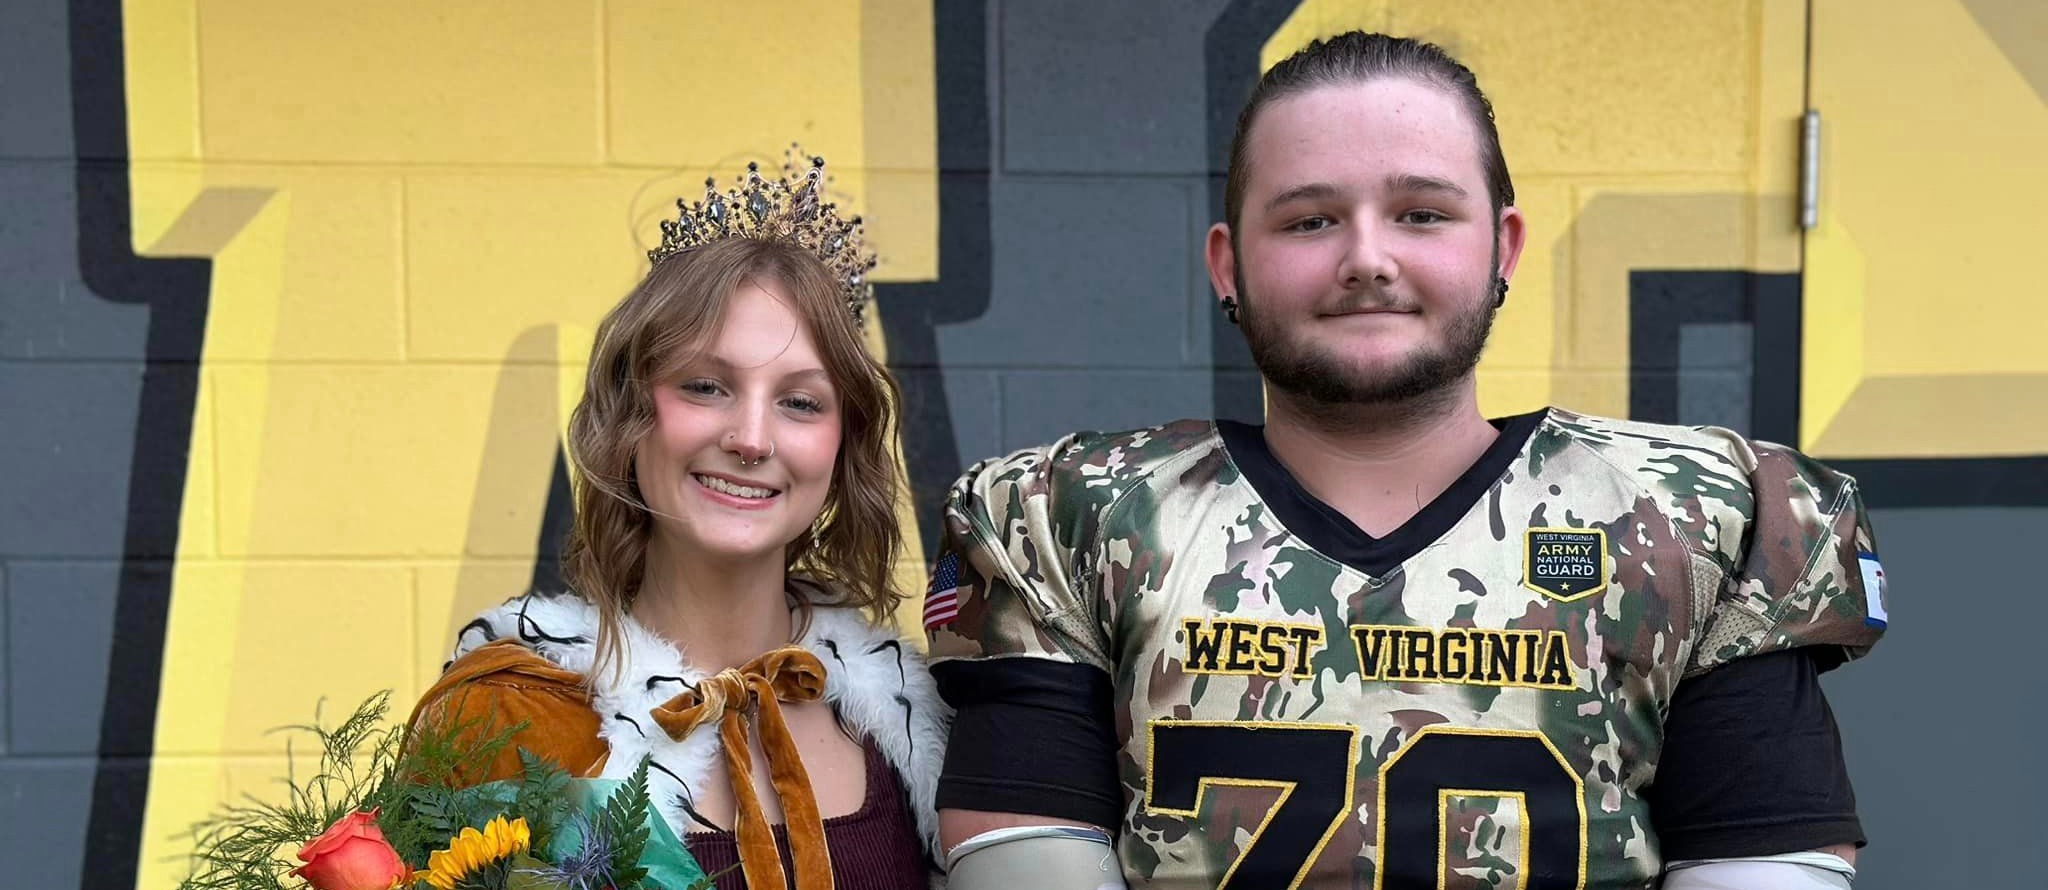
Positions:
{"x": 1445, "y": 655}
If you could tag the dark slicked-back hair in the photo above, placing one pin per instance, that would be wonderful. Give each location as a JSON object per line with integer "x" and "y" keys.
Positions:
{"x": 1358, "y": 57}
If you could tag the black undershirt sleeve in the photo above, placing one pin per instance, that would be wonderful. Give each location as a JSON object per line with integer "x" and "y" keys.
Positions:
{"x": 1752, "y": 764}
{"x": 1030, "y": 736}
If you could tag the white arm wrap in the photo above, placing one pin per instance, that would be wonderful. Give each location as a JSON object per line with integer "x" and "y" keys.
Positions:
{"x": 1040, "y": 856}
{"x": 1809, "y": 870}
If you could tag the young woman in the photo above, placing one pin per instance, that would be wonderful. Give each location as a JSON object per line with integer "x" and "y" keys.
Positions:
{"x": 730, "y": 563}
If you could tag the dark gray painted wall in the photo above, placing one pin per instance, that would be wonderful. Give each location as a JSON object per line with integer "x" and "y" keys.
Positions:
{"x": 71, "y": 373}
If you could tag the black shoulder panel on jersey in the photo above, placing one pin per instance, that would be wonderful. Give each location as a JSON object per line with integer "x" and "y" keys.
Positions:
{"x": 1752, "y": 764}
{"x": 1030, "y": 736}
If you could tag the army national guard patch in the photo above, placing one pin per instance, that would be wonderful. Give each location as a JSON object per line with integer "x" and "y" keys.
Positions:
{"x": 1565, "y": 564}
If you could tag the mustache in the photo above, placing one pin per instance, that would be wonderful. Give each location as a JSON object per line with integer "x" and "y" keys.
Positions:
{"x": 1367, "y": 302}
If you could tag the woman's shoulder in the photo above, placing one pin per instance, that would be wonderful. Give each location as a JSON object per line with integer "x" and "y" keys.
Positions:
{"x": 836, "y": 613}
{"x": 560, "y": 627}
{"x": 507, "y": 666}
{"x": 845, "y": 630}
{"x": 505, "y": 687}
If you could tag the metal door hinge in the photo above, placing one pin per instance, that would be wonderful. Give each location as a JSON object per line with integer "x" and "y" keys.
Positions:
{"x": 1809, "y": 170}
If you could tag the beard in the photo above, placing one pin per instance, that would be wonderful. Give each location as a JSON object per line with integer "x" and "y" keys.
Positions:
{"x": 1295, "y": 365}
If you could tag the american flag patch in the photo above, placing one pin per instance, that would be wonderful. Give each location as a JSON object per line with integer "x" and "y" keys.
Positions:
{"x": 942, "y": 598}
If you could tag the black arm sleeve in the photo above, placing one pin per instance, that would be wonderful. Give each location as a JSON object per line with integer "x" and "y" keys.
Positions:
{"x": 1030, "y": 736}
{"x": 1752, "y": 764}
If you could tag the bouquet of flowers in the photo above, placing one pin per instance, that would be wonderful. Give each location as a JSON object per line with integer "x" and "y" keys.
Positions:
{"x": 385, "y": 810}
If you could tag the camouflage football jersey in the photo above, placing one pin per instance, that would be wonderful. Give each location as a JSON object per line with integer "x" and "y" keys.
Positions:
{"x": 1484, "y": 712}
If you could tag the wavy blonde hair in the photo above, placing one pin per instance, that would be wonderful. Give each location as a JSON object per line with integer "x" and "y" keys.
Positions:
{"x": 651, "y": 335}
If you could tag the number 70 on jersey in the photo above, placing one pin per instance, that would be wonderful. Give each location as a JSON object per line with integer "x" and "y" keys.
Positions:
{"x": 1313, "y": 767}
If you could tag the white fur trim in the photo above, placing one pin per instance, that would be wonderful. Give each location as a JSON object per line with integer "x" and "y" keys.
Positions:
{"x": 878, "y": 684}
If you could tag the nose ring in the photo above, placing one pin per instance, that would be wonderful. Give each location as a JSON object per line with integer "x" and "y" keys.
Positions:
{"x": 759, "y": 460}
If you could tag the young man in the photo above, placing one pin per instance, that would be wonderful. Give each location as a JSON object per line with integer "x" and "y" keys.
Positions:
{"x": 1384, "y": 641}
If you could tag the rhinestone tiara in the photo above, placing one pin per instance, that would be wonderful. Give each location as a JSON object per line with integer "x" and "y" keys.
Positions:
{"x": 785, "y": 209}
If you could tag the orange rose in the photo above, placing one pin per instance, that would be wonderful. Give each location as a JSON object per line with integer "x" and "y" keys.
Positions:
{"x": 352, "y": 855}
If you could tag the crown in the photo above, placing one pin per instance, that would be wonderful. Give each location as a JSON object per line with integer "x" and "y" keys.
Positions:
{"x": 786, "y": 209}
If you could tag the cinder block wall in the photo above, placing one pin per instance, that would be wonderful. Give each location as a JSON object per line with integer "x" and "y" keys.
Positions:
{"x": 293, "y": 300}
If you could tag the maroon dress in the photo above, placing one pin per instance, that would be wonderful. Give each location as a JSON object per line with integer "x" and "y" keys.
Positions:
{"x": 876, "y": 847}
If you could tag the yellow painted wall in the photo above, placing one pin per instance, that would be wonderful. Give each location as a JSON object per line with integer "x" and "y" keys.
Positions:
{"x": 1924, "y": 328}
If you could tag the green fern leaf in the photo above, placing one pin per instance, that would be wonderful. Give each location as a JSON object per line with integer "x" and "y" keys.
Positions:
{"x": 624, "y": 821}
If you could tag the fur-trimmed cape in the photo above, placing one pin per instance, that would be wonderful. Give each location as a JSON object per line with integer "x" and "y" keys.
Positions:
{"x": 875, "y": 682}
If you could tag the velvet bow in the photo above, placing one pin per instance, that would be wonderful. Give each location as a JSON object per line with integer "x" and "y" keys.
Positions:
{"x": 789, "y": 674}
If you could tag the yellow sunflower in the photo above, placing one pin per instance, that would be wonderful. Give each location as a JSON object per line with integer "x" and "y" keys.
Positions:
{"x": 473, "y": 850}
